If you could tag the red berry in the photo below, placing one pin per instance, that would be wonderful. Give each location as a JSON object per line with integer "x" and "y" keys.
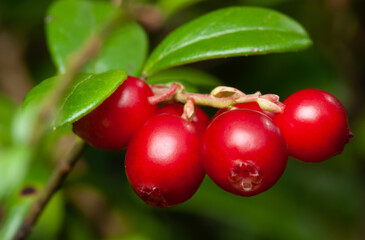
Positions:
{"x": 162, "y": 161}
{"x": 111, "y": 125}
{"x": 244, "y": 152}
{"x": 249, "y": 105}
{"x": 200, "y": 119}
{"x": 314, "y": 124}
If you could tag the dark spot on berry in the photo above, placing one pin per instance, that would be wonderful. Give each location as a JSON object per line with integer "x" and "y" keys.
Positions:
{"x": 152, "y": 196}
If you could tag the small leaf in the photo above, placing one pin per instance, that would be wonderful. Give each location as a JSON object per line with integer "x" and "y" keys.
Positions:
{"x": 86, "y": 92}
{"x": 194, "y": 80}
{"x": 70, "y": 23}
{"x": 233, "y": 31}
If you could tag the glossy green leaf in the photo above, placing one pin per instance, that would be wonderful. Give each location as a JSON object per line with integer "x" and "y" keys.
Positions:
{"x": 194, "y": 80}
{"x": 70, "y": 23}
{"x": 85, "y": 92}
{"x": 233, "y": 31}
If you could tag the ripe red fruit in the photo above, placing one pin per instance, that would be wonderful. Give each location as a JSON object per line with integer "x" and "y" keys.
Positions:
{"x": 314, "y": 124}
{"x": 249, "y": 105}
{"x": 162, "y": 161}
{"x": 111, "y": 125}
{"x": 200, "y": 119}
{"x": 244, "y": 152}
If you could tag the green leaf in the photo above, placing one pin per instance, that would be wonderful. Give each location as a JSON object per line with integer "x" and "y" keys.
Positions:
{"x": 13, "y": 168}
{"x": 70, "y": 23}
{"x": 169, "y": 7}
{"x": 234, "y": 31}
{"x": 19, "y": 202}
{"x": 86, "y": 92}
{"x": 7, "y": 111}
{"x": 194, "y": 80}
{"x": 14, "y": 217}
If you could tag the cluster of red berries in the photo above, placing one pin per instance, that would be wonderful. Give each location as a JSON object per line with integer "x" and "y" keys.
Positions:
{"x": 243, "y": 150}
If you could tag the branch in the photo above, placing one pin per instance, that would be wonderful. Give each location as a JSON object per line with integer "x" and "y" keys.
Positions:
{"x": 220, "y": 97}
{"x": 54, "y": 183}
{"x": 47, "y": 113}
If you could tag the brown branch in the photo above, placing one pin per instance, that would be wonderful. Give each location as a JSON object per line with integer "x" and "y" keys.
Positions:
{"x": 54, "y": 183}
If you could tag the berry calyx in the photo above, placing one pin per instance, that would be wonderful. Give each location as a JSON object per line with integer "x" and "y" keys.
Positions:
{"x": 200, "y": 119}
{"x": 162, "y": 161}
{"x": 314, "y": 124}
{"x": 244, "y": 152}
{"x": 112, "y": 124}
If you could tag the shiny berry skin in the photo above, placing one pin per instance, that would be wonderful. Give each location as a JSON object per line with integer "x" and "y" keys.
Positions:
{"x": 314, "y": 124}
{"x": 249, "y": 105}
{"x": 112, "y": 124}
{"x": 244, "y": 152}
{"x": 200, "y": 119}
{"x": 162, "y": 161}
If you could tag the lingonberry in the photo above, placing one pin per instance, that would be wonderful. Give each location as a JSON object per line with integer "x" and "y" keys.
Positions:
{"x": 162, "y": 161}
{"x": 249, "y": 105}
{"x": 111, "y": 125}
{"x": 200, "y": 119}
{"x": 314, "y": 124}
{"x": 244, "y": 152}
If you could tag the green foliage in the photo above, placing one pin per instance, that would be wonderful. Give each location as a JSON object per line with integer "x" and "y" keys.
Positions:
{"x": 321, "y": 201}
{"x": 169, "y": 7}
{"x": 50, "y": 222}
{"x": 7, "y": 111}
{"x": 13, "y": 169}
{"x": 84, "y": 93}
{"x": 234, "y": 31}
{"x": 17, "y": 211}
{"x": 70, "y": 23}
{"x": 18, "y": 204}
{"x": 194, "y": 80}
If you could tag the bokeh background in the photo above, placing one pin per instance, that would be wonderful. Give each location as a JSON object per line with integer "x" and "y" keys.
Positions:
{"x": 311, "y": 201}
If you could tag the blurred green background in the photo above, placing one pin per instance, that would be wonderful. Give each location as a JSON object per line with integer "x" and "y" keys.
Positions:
{"x": 311, "y": 201}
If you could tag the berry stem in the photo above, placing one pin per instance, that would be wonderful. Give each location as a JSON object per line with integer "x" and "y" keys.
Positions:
{"x": 162, "y": 92}
{"x": 220, "y": 97}
{"x": 189, "y": 110}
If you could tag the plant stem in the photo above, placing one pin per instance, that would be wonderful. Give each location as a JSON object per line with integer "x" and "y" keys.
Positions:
{"x": 220, "y": 97}
{"x": 54, "y": 183}
{"x": 47, "y": 113}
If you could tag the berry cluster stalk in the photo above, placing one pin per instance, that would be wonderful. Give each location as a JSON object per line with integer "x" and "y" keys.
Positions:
{"x": 220, "y": 97}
